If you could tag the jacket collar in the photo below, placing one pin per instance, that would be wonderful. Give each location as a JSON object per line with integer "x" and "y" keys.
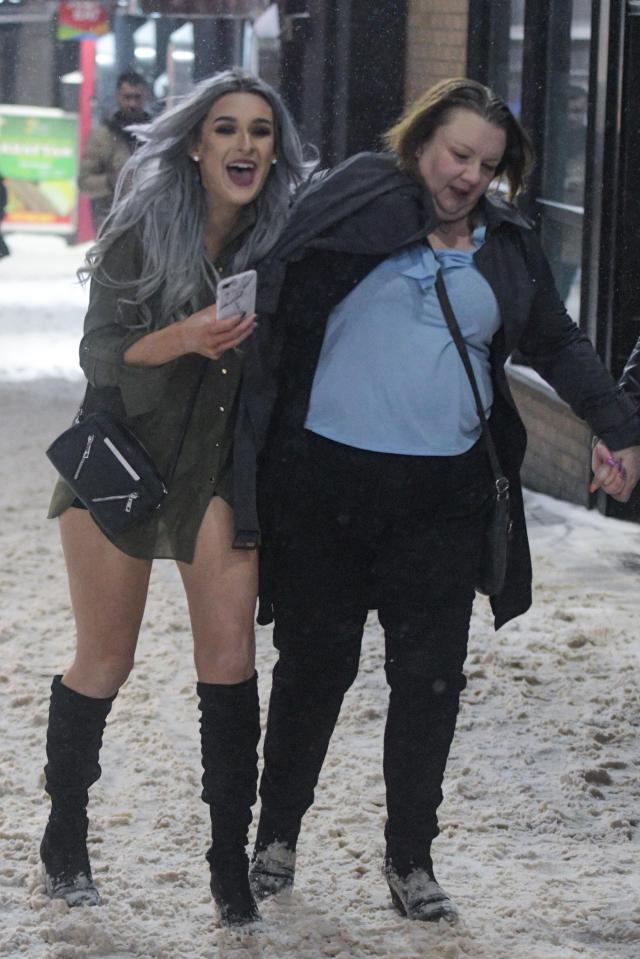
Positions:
{"x": 496, "y": 211}
{"x": 366, "y": 204}
{"x": 371, "y": 188}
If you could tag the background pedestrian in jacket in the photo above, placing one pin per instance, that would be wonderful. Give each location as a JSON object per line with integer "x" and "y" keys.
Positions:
{"x": 4, "y": 249}
{"x": 376, "y": 484}
{"x": 110, "y": 145}
{"x": 209, "y": 195}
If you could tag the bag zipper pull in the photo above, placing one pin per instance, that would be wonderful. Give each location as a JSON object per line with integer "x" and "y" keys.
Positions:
{"x": 130, "y": 497}
{"x": 85, "y": 455}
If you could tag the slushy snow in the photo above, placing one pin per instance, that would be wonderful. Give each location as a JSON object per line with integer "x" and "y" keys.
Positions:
{"x": 540, "y": 841}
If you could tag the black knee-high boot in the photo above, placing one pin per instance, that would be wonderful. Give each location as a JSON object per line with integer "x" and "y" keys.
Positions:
{"x": 230, "y": 733}
{"x": 74, "y": 738}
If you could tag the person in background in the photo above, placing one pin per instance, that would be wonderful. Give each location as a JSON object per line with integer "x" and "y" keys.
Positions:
{"x": 4, "y": 249}
{"x": 110, "y": 145}
{"x": 609, "y": 471}
{"x": 375, "y": 482}
{"x": 206, "y": 194}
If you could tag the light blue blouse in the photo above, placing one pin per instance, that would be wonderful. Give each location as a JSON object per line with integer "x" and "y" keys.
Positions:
{"x": 389, "y": 377}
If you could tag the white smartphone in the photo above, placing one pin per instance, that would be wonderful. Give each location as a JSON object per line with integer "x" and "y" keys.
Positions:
{"x": 236, "y": 294}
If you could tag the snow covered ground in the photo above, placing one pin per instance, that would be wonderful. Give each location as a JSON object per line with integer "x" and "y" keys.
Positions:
{"x": 540, "y": 833}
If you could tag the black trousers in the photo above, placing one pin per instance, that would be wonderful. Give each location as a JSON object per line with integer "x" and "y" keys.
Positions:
{"x": 360, "y": 530}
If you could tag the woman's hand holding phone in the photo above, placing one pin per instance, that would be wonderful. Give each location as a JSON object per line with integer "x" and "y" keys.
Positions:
{"x": 231, "y": 320}
{"x": 210, "y": 332}
{"x": 204, "y": 333}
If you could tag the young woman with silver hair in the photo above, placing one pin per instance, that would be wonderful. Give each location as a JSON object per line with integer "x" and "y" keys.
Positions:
{"x": 206, "y": 194}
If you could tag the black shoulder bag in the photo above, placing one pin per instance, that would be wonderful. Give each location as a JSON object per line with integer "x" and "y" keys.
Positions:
{"x": 111, "y": 472}
{"x": 495, "y": 550}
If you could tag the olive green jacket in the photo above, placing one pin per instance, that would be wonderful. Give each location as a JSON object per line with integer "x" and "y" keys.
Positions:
{"x": 152, "y": 403}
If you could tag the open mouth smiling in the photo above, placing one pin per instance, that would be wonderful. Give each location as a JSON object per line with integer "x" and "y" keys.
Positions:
{"x": 242, "y": 172}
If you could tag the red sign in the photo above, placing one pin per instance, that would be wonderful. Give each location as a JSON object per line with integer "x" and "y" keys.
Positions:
{"x": 82, "y": 18}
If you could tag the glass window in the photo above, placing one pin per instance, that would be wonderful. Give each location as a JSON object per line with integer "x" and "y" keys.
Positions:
{"x": 516, "y": 48}
{"x": 562, "y": 242}
{"x": 562, "y": 199}
{"x": 567, "y": 98}
{"x": 505, "y": 50}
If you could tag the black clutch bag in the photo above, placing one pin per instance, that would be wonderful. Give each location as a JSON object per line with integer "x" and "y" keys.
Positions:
{"x": 111, "y": 472}
{"x": 492, "y": 569}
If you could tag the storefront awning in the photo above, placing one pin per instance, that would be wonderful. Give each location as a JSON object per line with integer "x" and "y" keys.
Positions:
{"x": 204, "y": 8}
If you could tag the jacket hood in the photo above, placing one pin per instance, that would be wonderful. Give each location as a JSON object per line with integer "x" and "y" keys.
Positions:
{"x": 331, "y": 198}
{"x": 365, "y": 205}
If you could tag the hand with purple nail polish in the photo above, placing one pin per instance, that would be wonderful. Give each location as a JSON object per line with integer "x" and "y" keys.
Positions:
{"x": 615, "y": 472}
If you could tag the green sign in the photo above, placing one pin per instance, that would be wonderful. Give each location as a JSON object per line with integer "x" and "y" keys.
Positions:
{"x": 39, "y": 161}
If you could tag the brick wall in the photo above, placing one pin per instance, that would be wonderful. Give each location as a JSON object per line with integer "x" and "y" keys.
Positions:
{"x": 436, "y": 43}
{"x": 558, "y": 459}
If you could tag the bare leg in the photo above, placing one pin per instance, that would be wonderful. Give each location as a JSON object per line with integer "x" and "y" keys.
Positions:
{"x": 108, "y": 594}
{"x": 221, "y": 586}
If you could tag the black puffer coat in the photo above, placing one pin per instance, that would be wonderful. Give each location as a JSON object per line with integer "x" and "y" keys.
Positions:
{"x": 327, "y": 259}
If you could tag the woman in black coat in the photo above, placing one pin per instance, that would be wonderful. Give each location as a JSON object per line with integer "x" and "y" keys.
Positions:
{"x": 376, "y": 484}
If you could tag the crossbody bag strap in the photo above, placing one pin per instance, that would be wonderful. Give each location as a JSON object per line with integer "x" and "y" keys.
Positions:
{"x": 458, "y": 339}
{"x": 185, "y": 421}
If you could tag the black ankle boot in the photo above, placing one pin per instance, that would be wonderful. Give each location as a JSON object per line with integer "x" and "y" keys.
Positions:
{"x": 230, "y": 732}
{"x": 273, "y": 863}
{"x": 67, "y": 871}
{"x": 230, "y": 888}
{"x": 74, "y": 738}
{"x": 273, "y": 870}
{"x": 416, "y": 893}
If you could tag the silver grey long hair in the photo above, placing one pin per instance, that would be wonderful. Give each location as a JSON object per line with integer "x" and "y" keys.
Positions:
{"x": 159, "y": 193}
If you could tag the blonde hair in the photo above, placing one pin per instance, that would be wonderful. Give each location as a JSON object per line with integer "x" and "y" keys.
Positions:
{"x": 433, "y": 109}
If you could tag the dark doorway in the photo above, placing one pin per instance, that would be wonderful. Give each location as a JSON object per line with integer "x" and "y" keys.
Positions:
{"x": 625, "y": 325}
